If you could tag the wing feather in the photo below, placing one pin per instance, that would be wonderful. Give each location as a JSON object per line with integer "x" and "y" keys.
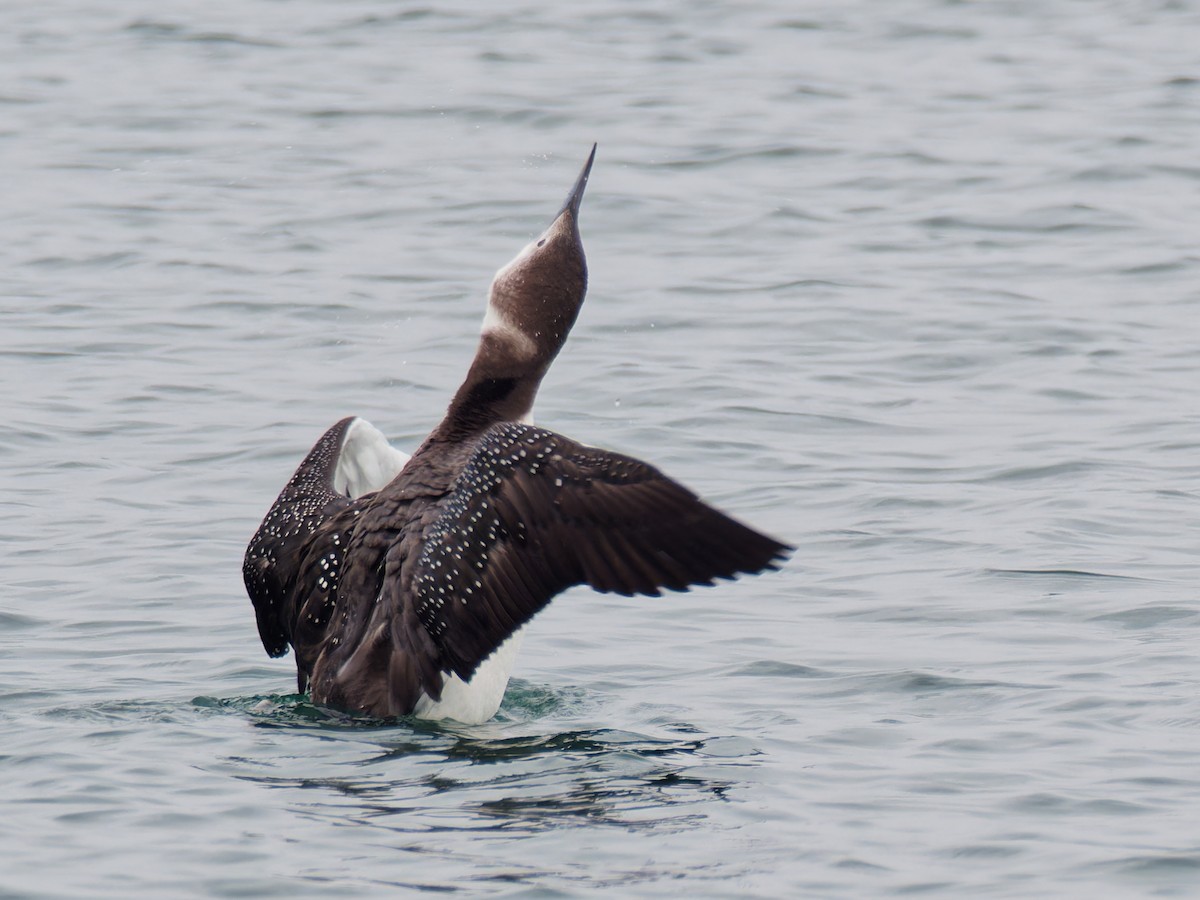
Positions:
{"x": 535, "y": 513}
{"x": 272, "y": 561}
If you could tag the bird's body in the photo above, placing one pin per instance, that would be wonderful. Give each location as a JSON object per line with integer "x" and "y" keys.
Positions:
{"x": 403, "y": 587}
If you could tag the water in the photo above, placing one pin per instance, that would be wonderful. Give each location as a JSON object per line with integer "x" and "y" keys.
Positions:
{"x": 910, "y": 285}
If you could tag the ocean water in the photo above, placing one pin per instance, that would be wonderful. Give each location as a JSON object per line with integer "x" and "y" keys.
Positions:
{"x": 914, "y": 286}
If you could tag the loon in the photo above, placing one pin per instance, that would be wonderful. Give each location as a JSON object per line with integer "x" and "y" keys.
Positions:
{"x": 403, "y": 584}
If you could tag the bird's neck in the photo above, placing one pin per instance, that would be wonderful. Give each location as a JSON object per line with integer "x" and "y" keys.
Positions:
{"x": 500, "y": 387}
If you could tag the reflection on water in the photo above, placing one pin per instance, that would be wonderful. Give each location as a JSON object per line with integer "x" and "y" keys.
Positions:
{"x": 406, "y": 775}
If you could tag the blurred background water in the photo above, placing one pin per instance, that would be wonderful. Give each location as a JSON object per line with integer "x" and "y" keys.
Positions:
{"x": 911, "y": 285}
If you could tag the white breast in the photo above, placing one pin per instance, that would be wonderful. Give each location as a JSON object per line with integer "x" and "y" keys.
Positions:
{"x": 474, "y": 702}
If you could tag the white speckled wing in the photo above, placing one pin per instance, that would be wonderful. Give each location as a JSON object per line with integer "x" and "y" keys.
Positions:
{"x": 534, "y": 513}
{"x": 350, "y": 459}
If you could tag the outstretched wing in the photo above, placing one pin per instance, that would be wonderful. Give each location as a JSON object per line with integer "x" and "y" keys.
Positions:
{"x": 349, "y": 459}
{"x": 534, "y": 513}
{"x": 272, "y": 559}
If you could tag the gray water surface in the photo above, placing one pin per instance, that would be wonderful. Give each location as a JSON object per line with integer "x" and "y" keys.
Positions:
{"x": 913, "y": 286}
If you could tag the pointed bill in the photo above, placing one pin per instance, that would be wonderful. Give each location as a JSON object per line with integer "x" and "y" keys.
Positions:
{"x": 576, "y": 196}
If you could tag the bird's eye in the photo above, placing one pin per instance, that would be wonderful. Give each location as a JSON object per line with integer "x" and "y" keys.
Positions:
{"x": 542, "y": 241}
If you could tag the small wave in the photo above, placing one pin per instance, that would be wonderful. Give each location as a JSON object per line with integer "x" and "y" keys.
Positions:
{"x": 1057, "y": 573}
{"x": 11, "y": 621}
{"x": 932, "y": 683}
{"x": 115, "y": 260}
{"x": 117, "y": 711}
{"x": 959, "y": 223}
{"x": 1166, "y": 864}
{"x": 1140, "y": 617}
{"x": 714, "y": 157}
{"x": 916, "y": 683}
{"x": 1037, "y": 473}
{"x": 772, "y": 668}
{"x": 1160, "y": 268}
{"x": 170, "y": 31}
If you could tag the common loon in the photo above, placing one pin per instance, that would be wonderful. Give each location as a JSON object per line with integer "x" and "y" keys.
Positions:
{"x": 403, "y": 584}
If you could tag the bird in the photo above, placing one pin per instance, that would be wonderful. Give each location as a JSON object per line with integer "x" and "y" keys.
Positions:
{"x": 403, "y": 584}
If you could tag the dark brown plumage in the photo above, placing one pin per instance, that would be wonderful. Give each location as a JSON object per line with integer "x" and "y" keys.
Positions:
{"x": 390, "y": 597}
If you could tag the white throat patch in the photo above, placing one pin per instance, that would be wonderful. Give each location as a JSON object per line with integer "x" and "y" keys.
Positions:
{"x": 497, "y": 324}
